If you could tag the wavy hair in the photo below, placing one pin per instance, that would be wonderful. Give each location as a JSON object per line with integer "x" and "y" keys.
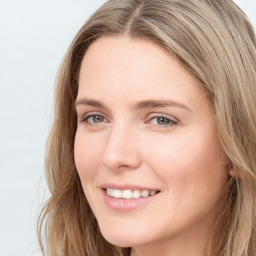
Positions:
{"x": 213, "y": 40}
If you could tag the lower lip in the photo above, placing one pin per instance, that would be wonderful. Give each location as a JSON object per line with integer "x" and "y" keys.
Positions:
{"x": 117, "y": 204}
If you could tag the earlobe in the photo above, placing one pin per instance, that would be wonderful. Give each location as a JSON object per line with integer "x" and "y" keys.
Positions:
{"x": 232, "y": 172}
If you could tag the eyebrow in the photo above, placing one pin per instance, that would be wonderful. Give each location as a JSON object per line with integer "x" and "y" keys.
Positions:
{"x": 139, "y": 105}
{"x": 89, "y": 102}
{"x": 160, "y": 104}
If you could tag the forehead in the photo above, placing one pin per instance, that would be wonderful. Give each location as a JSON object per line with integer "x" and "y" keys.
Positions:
{"x": 136, "y": 68}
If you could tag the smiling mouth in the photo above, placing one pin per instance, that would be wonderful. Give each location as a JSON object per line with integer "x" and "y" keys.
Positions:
{"x": 129, "y": 194}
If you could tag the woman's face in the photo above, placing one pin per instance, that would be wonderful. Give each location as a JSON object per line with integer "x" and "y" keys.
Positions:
{"x": 146, "y": 149}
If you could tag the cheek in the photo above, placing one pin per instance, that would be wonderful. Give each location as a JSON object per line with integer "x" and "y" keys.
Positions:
{"x": 190, "y": 163}
{"x": 87, "y": 156}
{"x": 194, "y": 177}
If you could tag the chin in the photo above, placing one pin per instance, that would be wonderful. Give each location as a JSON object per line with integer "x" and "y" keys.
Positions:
{"x": 124, "y": 243}
{"x": 121, "y": 238}
{"x": 117, "y": 239}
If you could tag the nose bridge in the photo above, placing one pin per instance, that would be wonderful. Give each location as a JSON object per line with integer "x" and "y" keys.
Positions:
{"x": 120, "y": 150}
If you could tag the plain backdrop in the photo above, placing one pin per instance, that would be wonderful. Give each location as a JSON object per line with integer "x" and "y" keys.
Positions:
{"x": 34, "y": 36}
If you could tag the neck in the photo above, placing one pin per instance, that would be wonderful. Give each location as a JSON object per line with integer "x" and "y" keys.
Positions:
{"x": 193, "y": 242}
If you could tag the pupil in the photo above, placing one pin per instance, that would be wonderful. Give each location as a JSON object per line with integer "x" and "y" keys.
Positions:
{"x": 163, "y": 120}
{"x": 97, "y": 119}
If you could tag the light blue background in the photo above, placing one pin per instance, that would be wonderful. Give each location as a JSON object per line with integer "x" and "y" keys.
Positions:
{"x": 34, "y": 35}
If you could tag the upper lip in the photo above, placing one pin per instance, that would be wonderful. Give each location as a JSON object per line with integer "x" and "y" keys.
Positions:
{"x": 126, "y": 186}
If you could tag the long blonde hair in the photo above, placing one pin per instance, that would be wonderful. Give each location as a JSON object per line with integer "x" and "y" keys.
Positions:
{"x": 214, "y": 40}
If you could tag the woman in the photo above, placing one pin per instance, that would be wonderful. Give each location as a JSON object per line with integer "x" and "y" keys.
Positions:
{"x": 152, "y": 150}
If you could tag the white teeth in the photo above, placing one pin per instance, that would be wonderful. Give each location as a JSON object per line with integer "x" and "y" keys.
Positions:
{"x": 153, "y": 192}
{"x": 128, "y": 194}
{"x": 145, "y": 193}
{"x": 136, "y": 194}
{"x": 117, "y": 193}
{"x": 110, "y": 191}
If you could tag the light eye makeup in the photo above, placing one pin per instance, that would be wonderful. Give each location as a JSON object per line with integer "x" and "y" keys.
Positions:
{"x": 162, "y": 120}
{"x": 157, "y": 120}
{"x": 92, "y": 119}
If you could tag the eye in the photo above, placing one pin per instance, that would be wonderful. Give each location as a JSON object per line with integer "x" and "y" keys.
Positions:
{"x": 162, "y": 121}
{"x": 93, "y": 119}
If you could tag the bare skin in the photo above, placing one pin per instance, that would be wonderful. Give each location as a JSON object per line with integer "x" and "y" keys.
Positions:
{"x": 144, "y": 122}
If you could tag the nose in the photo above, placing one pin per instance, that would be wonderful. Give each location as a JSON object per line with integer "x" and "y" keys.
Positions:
{"x": 121, "y": 152}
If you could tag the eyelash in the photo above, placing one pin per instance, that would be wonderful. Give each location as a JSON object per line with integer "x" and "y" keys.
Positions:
{"x": 86, "y": 117}
{"x": 170, "y": 122}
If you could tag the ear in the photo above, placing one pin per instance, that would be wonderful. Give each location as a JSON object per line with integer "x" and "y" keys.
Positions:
{"x": 232, "y": 172}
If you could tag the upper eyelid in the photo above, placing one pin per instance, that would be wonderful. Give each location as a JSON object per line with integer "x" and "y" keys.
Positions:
{"x": 85, "y": 117}
{"x": 149, "y": 116}
{"x": 172, "y": 118}
{"x": 92, "y": 113}
{"x": 172, "y": 122}
{"x": 82, "y": 111}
